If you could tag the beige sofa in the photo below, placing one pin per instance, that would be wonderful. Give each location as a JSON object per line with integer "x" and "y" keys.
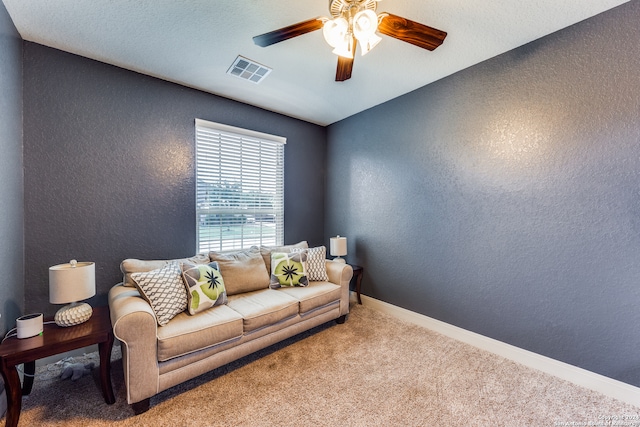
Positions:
{"x": 156, "y": 358}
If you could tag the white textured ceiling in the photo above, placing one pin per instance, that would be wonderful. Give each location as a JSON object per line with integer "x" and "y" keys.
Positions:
{"x": 194, "y": 42}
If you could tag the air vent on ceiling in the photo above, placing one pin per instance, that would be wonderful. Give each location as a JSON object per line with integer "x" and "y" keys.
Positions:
{"x": 248, "y": 70}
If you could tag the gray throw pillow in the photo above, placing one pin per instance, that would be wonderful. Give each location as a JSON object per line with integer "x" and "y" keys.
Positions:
{"x": 243, "y": 271}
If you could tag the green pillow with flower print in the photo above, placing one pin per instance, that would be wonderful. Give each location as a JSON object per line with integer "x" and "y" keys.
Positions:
{"x": 205, "y": 286}
{"x": 288, "y": 269}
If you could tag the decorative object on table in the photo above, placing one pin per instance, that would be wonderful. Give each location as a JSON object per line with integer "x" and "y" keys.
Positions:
{"x": 71, "y": 283}
{"x": 29, "y": 325}
{"x": 75, "y": 371}
{"x": 338, "y": 248}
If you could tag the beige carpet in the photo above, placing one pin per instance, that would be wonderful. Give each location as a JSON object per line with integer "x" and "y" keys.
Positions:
{"x": 374, "y": 370}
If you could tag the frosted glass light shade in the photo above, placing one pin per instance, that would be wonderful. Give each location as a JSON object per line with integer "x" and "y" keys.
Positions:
{"x": 335, "y": 31}
{"x": 365, "y": 24}
{"x": 370, "y": 43}
{"x": 343, "y": 50}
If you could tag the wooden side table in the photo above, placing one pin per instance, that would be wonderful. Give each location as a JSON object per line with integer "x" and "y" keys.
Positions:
{"x": 54, "y": 340}
{"x": 357, "y": 274}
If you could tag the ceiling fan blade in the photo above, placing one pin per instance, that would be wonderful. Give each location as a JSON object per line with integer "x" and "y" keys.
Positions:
{"x": 411, "y": 32}
{"x": 345, "y": 65}
{"x": 286, "y": 33}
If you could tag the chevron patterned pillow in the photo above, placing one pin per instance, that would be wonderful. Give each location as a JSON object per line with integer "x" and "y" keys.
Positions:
{"x": 164, "y": 291}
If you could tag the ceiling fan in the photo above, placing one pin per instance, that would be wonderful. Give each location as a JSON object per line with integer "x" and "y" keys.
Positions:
{"x": 355, "y": 22}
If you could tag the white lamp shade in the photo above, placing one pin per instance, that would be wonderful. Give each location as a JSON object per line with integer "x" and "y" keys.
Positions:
{"x": 338, "y": 246}
{"x": 72, "y": 282}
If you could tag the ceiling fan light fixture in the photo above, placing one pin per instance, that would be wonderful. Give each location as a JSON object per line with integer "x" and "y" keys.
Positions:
{"x": 339, "y": 32}
{"x": 335, "y": 31}
{"x": 356, "y": 22}
{"x": 370, "y": 43}
{"x": 344, "y": 49}
{"x": 365, "y": 24}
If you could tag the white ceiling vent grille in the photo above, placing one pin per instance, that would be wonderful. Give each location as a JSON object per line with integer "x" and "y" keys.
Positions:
{"x": 248, "y": 70}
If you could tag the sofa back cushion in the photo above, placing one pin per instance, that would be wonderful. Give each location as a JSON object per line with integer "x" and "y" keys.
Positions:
{"x": 132, "y": 265}
{"x": 242, "y": 271}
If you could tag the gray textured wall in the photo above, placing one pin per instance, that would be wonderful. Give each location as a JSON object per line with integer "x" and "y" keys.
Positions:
{"x": 11, "y": 189}
{"x": 109, "y": 167}
{"x": 505, "y": 199}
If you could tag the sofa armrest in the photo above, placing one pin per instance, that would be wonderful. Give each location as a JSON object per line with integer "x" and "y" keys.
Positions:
{"x": 340, "y": 274}
{"x": 135, "y": 325}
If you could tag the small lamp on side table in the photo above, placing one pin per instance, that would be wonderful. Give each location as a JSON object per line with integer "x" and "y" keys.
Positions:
{"x": 338, "y": 248}
{"x": 70, "y": 283}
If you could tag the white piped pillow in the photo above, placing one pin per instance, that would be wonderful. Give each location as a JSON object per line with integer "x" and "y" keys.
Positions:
{"x": 316, "y": 267}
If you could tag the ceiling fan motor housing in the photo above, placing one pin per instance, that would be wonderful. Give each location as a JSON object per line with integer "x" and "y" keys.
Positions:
{"x": 348, "y": 8}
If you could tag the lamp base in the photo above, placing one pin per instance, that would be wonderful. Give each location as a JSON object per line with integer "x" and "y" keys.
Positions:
{"x": 338, "y": 259}
{"x": 73, "y": 314}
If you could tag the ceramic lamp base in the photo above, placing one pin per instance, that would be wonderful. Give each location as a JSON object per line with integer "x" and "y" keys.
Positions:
{"x": 73, "y": 314}
{"x": 339, "y": 259}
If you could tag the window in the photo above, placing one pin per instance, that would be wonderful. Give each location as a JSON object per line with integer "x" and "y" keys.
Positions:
{"x": 239, "y": 187}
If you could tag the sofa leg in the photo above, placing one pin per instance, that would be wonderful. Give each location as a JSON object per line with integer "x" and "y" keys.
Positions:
{"x": 142, "y": 406}
{"x": 340, "y": 320}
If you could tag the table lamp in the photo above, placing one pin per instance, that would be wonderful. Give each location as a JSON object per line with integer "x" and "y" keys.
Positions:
{"x": 338, "y": 248}
{"x": 70, "y": 283}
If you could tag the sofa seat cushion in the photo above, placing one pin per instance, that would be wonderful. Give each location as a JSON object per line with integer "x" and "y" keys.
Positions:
{"x": 185, "y": 333}
{"x": 317, "y": 294}
{"x": 263, "y": 308}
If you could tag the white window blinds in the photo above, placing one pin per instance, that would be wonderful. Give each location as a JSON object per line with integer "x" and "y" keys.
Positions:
{"x": 239, "y": 187}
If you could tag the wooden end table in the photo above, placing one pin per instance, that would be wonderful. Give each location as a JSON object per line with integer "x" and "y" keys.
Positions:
{"x": 357, "y": 274}
{"x": 54, "y": 340}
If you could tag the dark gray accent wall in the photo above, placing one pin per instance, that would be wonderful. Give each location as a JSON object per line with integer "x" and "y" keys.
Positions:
{"x": 11, "y": 180}
{"x": 505, "y": 199}
{"x": 109, "y": 167}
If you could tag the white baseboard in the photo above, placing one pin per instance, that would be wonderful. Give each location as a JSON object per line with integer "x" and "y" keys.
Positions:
{"x": 605, "y": 385}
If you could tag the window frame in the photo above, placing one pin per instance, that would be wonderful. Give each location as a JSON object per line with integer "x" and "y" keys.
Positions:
{"x": 247, "y": 168}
